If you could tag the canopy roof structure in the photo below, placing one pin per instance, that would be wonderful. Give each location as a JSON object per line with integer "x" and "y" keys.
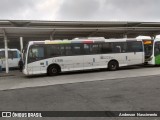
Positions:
{"x": 13, "y": 30}
{"x": 73, "y": 29}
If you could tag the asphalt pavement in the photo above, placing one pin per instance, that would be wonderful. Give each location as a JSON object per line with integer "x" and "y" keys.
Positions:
{"x": 17, "y": 80}
{"x": 124, "y": 94}
{"x": 123, "y": 90}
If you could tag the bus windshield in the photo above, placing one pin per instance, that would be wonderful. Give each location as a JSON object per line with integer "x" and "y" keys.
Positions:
{"x": 157, "y": 48}
{"x": 148, "y": 48}
{"x": 35, "y": 53}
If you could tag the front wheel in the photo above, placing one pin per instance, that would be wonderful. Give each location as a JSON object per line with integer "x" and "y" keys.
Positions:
{"x": 113, "y": 65}
{"x": 53, "y": 70}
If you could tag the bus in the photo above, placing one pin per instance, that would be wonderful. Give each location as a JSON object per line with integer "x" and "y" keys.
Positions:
{"x": 53, "y": 57}
{"x": 152, "y": 51}
{"x": 13, "y": 58}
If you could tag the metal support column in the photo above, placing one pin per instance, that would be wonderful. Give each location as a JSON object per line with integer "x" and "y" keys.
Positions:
{"x": 6, "y": 51}
{"x": 153, "y": 37}
{"x": 21, "y": 46}
{"x": 52, "y": 34}
{"x": 51, "y": 37}
{"x": 125, "y": 36}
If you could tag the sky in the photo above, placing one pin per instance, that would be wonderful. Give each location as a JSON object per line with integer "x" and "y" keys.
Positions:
{"x": 81, "y": 10}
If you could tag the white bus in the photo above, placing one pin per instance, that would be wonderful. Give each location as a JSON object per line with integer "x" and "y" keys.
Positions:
{"x": 152, "y": 51}
{"x": 53, "y": 57}
{"x": 13, "y": 58}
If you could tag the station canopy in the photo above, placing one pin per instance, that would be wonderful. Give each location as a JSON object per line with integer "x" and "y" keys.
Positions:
{"x": 73, "y": 29}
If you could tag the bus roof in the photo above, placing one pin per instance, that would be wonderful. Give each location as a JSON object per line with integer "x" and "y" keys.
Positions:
{"x": 157, "y": 39}
{"x": 82, "y": 41}
{"x": 2, "y": 49}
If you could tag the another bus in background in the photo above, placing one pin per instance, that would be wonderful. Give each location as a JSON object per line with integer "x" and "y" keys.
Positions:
{"x": 148, "y": 49}
{"x": 13, "y": 58}
{"x": 152, "y": 51}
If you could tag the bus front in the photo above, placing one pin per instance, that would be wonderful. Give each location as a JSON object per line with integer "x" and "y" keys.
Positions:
{"x": 156, "y": 52}
{"x": 34, "y": 58}
{"x": 148, "y": 48}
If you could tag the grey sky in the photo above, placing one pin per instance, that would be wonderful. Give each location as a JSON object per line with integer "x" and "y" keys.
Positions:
{"x": 96, "y": 10}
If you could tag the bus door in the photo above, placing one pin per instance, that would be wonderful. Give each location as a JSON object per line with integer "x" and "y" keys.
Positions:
{"x": 88, "y": 58}
{"x": 77, "y": 57}
{"x": 35, "y": 59}
{"x": 119, "y": 52}
{"x": 92, "y": 57}
{"x": 13, "y": 58}
{"x": 157, "y": 52}
{"x": 135, "y": 52}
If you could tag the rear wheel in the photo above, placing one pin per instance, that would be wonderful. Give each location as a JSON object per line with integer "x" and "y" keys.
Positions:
{"x": 53, "y": 70}
{"x": 113, "y": 65}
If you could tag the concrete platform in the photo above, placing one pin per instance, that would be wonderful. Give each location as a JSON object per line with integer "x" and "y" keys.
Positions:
{"x": 11, "y": 73}
{"x": 17, "y": 80}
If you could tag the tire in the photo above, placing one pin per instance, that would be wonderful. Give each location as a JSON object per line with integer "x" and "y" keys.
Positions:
{"x": 113, "y": 65}
{"x": 53, "y": 70}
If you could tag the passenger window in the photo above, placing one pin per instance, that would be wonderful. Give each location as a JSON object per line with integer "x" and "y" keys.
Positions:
{"x": 62, "y": 50}
{"x": 53, "y": 50}
{"x": 15, "y": 54}
{"x": 157, "y": 48}
{"x": 119, "y": 47}
{"x": 2, "y": 54}
{"x": 12, "y": 54}
{"x": 95, "y": 49}
{"x": 86, "y": 49}
{"x": 134, "y": 46}
{"x": 68, "y": 50}
{"x": 76, "y": 48}
{"x": 107, "y": 48}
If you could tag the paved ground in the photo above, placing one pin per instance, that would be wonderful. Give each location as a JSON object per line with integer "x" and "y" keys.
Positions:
{"x": 125, "y": 94}
{"x": 17, "y": 80}
{"x": 140, "y": 93}
{"x": 123, "y": 90}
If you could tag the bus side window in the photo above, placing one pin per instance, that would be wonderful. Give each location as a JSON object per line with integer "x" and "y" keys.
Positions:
{"x": 10, "y": 54}
{"x": 53, "y": 51}
{"x": 86, "y": 49}
{"x": 95, "y": 49}
{"x": 157, "y": 48}
{"x": 124, "y": 47}
{"x": 134, "y": 46}
{"x": 117, "y": 48}
{"x": 62, "y": 50}
{"x": 2, "y": 54}
{"x": 68, "y": 50}
{"x": 14, "y": 54}
{"x": 156, "y": 51}
{"x": 107, "y": 48}
{"x": 76, "y": 48}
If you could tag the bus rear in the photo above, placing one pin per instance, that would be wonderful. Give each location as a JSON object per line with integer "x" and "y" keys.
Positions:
{"x": 13, "y": 58}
